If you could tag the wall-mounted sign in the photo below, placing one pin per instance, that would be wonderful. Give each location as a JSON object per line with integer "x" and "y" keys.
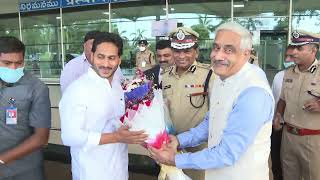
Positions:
{"x": 73, "y": 3}
{"x": 35, "y": 5}
{"x": 163, "y": 28}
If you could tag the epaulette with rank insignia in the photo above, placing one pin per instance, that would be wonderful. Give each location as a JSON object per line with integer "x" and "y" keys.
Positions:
{"x": 204, "y": 66}
{"x": 192, "y": 68}
{"x": 313, "y": 68}
{"x": 167, "y": 70}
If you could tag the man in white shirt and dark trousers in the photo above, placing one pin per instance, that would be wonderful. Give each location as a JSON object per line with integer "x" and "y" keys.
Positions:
{"x": 90, "y": 110}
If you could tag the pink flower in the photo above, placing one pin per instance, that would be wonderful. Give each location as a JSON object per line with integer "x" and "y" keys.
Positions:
{"x": 161, "y": 139}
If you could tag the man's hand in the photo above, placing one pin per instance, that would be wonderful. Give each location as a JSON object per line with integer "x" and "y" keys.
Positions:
{"x": 36, "y": 141}
{"x": 165, "y": 155}
{"x": 174, "y": 143}
{"x": 277, "y": 122}
{"x": 123, "y": 135}
{"x": 312, "y": 106}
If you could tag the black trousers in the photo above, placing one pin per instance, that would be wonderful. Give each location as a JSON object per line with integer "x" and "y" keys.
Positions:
{"x": 32, "y": 174}
{"x": 276, "y": 137}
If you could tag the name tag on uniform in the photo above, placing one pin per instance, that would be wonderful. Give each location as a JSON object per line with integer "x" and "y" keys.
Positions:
{"x": 167, "y": 87}
{"x": 288, "y": 80}
{"x": 143, "y": 64}
{"x": 194, "y": 85}
{"x": 11, "y": 115}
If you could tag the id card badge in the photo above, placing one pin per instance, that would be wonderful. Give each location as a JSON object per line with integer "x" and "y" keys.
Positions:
{"x": 143, "y": 64}
{"x": 11, "y": 115}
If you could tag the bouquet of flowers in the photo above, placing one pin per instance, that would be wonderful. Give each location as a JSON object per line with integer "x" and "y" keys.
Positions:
{"x": 146, "y": 110}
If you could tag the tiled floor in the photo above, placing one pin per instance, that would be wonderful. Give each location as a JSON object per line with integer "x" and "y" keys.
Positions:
{"x": 59, "y": 171}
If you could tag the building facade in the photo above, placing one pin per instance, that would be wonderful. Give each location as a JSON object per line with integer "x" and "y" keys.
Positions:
{"x": 54, "y": 35}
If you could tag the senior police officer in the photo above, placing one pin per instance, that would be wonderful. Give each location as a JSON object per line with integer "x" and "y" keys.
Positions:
{"x": 25, "y": 115}
{"x": 185, "y": 86}
{"x": 300, "y": 105}
{"x": 144, "y": 58}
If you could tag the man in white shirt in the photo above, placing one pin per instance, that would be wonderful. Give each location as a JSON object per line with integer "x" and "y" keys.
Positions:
{"x": 78, "y": 66}
{"x": 90, "y": 112}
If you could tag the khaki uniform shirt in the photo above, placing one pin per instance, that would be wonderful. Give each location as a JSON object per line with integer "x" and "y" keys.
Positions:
{"x": 296, "y": 85}
{"x": 145, "y": 60}
{"x": 177, "y": 90}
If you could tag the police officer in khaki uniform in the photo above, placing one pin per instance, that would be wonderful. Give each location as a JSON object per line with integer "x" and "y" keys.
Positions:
{"x": 186, "y": 86}
{"x": 299, "y": 103}
{"x": 144, "y": 58}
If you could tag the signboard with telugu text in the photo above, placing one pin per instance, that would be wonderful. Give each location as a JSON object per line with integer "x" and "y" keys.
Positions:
{"x": 36, "y": 5}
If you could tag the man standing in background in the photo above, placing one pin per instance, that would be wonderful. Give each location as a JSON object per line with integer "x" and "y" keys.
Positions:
{"x": 164, "y": 56}
{"x": 79, "y": 65}
{"x": 144, "y": 58}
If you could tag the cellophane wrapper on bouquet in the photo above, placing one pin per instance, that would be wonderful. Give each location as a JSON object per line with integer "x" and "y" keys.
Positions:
{"x": 146, "y": 110}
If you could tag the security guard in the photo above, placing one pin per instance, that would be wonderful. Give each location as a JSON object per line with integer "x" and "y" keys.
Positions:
{"x": 299, "y": 103}
{"x": 144, "y": 58}
{"x": 186, "y": 86}
{"x": 25, "y": 115}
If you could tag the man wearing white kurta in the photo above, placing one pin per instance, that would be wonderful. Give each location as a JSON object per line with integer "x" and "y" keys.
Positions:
{"x": 238, "y": 125}
{"x": 90, "y": 110}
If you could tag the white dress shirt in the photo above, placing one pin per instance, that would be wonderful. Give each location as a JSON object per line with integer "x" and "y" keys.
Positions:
{"x": 89, "y": 107}
{"x": 277, "y": 85}
{"x": 76, "y": 68}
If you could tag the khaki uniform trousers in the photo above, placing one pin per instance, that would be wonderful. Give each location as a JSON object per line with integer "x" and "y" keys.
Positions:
{"x": 300, "y": 156}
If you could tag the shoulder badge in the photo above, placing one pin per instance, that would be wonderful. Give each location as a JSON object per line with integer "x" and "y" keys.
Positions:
{"x": 288, "y": 80}
{"x": 313, "y": 68}
{"x": 204, "y": 66}
{"x": 167, "y": 87}
{"x": 167, "y": 70}
{"x": 193, "y": 68}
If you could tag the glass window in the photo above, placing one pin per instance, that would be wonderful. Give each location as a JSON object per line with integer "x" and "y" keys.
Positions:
{"x": 133, "y": 21}
{"x": 203, "y": 17}
{"x": 306, "y": 15}
{"x": 268, "y": 22}
{"x": 41, "y": 35}
{"x": 9, "y": 25}
{"x": 77, "y": 22}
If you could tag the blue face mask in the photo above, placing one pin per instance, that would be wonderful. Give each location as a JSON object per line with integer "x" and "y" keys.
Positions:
{"x": 9, "y": 75}
{"x": 288, "y": 64}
